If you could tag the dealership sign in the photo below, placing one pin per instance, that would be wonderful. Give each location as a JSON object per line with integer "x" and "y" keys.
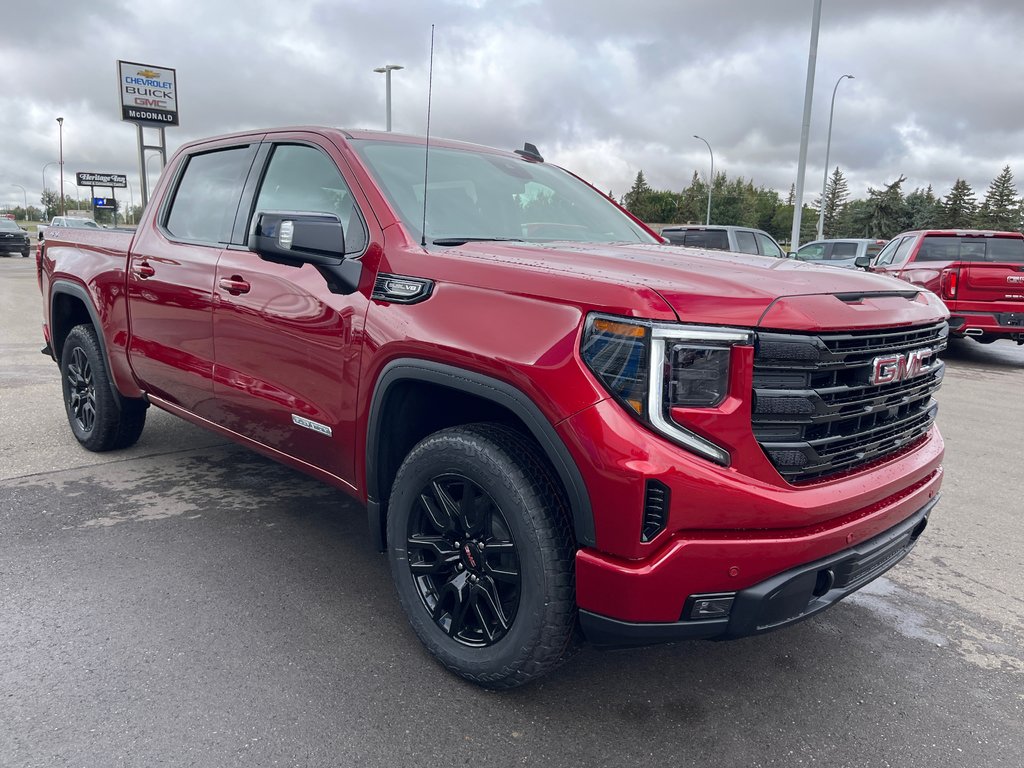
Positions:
{"x": 85, "y": 179}
{"x": 149, "y": 94}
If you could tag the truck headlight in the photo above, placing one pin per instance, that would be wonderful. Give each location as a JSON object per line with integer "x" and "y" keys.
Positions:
{"x": 652, "y": 368}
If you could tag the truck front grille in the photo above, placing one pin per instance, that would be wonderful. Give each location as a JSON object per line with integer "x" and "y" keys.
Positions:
{"x": 816, "y": 412}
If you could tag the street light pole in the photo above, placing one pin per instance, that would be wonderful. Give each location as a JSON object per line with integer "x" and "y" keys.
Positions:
{"x": 711, "y": 178}
{"x": 828, "y": 146}
{"x": 45, "y": 166}
{"x": 78, "y": 193}
{"x": 387, "y": 69}
{"x": 60, "y": 134}
{"x": 25, "y": 195}
{"x": 812, "y": 60}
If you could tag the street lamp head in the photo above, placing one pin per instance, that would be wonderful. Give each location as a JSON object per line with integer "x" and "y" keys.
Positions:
{"x": 388, "y": 68}
{"x": 60, "y": 120}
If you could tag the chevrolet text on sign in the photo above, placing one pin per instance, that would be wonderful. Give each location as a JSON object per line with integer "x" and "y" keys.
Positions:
{"x": 148, "y": 94}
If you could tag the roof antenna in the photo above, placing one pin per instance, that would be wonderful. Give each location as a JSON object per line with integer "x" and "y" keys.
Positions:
{"x": 426, "y": 151}
{"x": 529, "y": 151}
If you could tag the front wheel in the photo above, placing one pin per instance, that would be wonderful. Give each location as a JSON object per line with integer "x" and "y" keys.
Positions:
{"x": 100, "y": 419}
{"x": 482, "y": 554}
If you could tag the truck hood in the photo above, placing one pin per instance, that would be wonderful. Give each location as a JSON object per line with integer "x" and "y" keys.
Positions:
{"x": 713, "y": 287}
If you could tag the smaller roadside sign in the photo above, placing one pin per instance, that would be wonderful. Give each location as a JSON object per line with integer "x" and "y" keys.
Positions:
{"x": 106, "y": 203}
{"x": 88, "y": 179}
{"x": 149, "y": 95}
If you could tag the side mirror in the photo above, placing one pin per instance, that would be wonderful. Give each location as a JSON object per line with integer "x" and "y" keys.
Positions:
{"x": 298, "y": 238}
{"x": 294, "y": 239}
{"x": 862, "y": 262}
{"x": 790, "y": 254}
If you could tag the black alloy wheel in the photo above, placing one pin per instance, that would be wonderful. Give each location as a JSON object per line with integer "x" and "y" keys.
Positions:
{"x": 100, "y": 417}
{"x": 463, "y": 560}
{"x": 81, "y": 388}
{"x": 482, "y": 554}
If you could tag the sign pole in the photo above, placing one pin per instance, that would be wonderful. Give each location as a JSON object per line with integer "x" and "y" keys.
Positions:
{"x": 142, "y": 167}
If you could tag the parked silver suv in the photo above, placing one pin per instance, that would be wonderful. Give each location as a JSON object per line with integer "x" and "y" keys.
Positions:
{"x": 840, "y": 253}
{"x": 724, "y": 238}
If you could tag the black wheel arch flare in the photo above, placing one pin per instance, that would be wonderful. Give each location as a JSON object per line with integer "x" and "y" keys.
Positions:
{"x": 486, "y": 388}
{"x": 68, "y": 288}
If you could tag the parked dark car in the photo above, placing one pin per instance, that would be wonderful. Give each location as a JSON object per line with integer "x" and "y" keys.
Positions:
{"x": 725, "y": 238}
{"x": 842, "y": 252}
{"x": 13, "y": 238}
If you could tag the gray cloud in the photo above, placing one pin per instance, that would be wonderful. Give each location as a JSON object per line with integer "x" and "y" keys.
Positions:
{"x": 605, "y": 88}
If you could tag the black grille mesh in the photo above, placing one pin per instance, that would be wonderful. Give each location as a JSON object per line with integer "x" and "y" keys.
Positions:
{"x": 816, "y": 413}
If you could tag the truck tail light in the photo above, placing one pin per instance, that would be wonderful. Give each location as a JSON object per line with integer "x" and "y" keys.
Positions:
{"x": 948, "y": 283}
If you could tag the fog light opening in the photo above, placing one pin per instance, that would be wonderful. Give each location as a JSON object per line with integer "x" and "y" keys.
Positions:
{"x": 716, "y": 606}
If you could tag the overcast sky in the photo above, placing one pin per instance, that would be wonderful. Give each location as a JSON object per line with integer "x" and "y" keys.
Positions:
{"x": 605, "y": 88}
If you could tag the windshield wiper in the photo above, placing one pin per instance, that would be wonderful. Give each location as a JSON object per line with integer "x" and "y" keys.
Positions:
{"x": 473, "y": 239}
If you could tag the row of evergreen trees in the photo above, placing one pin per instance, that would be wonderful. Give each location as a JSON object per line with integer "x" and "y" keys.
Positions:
{"x": 885, "y": 211}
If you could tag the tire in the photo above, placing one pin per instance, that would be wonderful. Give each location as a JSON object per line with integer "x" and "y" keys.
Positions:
{"x": 489, "y": 591}
{"x": 100, "y": 419}
{"x": 25, "y": 253}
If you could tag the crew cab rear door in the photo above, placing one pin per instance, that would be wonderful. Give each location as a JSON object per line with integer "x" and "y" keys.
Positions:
{"x": 171, "y": 272}
{"x": 287, "y": 347}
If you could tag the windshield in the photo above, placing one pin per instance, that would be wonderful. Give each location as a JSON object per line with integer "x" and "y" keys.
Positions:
{"x": 9, "y": 225}
{"x": 482, "y": 196}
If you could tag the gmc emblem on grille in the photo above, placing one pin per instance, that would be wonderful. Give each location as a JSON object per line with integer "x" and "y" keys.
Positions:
{"x": 892, "y": 368}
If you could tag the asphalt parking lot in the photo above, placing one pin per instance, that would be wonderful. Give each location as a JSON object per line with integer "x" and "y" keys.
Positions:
{"x": 187, "y": 602}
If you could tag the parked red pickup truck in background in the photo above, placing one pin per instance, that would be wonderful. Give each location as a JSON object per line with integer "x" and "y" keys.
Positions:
{"x": 555, "y": 420}
{"x": 978, "y": 273}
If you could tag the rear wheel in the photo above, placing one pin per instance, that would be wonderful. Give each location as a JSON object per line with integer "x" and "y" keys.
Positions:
{"x": 482, "y": 555}
{"x": 100, "y": 419}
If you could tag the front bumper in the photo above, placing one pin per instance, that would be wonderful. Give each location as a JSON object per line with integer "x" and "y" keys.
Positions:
{"x": 776, "y": 602}
{"x": 13, "y": 246}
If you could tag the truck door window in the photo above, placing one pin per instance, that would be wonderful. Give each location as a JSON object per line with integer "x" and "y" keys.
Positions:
{"x": 745, "y": 242}
{"x": 843, "y": 251}
{"x": 303, "y": 179}
{"x": 904, "y": 250}
{"x": 887, "y": 254}
{"x": 812, "y": 252}
{"x": 768, "y": 246}
{"x": 206, "y": 199}
{"x": 712, "y": 239}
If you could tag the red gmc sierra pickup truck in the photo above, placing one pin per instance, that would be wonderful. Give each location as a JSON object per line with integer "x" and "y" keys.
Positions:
{"x": 556, "y": 421}
{"x": 979, "y": 273}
